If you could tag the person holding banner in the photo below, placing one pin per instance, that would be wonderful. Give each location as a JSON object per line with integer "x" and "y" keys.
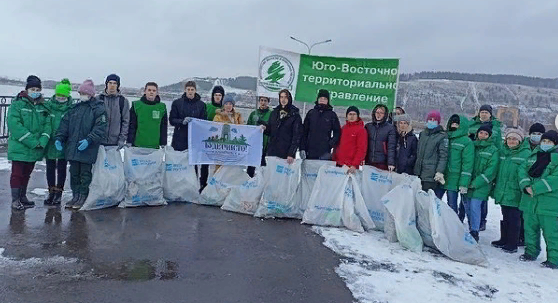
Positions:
{"x": 284, "y": 128}
{"x": 382, "y": 141}
{"x": 322, "y": 130}
{"x": 227, "y": 113}
{"x": 260, "y": 117}
{"x": 353, "y": 143}
{"x": 148, "y": 120}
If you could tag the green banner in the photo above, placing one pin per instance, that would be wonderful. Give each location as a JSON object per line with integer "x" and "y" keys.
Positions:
{"x": 360, "y": 82}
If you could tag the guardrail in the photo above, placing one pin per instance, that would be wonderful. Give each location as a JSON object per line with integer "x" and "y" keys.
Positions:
{"x": 5, "y": 102}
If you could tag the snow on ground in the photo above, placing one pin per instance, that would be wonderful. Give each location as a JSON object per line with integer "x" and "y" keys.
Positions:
{"x": 21, "y": 264}
{"x": 378, "y": 271}
{"x": 5, "y": 164}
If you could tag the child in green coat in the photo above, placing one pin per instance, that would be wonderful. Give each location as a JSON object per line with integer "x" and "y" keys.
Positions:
{"x": 260, "y": 117}
{"x": 538, "y": 179}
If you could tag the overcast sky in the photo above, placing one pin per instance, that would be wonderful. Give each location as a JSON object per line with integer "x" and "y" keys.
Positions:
{"x": 170, "y": 40}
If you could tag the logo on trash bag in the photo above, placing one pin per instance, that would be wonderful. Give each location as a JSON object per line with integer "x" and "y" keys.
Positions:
{"x": 284, "y": 170}
{"x": 143, "y": 162}
{"x": 380, "y": 178}
{"x": 108, "y": 166}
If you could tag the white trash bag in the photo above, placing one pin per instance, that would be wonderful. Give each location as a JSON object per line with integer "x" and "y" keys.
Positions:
{"x": 451, "y": 236}
{"x": 422, "y": 206}
{"x": 308, "y": 176}
{"x": 281, "y": 183}
{"x": 400, "y": 203}
{"x": 180, "y": 182}
{"x": 108, "y": 186}
{"x": 143, "y": 168}
{"x": 246, "y": 197}
{"x": 221, "y": 183}
{"x": 376, "y": 183}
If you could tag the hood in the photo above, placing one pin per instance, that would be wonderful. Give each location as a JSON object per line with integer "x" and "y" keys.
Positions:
{"x": 438, "y": 129}
{"x": 291, "y": 109}
{"x": 463, "y": 129}
{"x": 524, "y": 145}
{"x": 23, "y": 95}
{"x": 144, "y": 100}
{"x": 290, "y": 104}
{"x": 217, "y": 89}
{"x": 358, "y": 122}
{"x": 385, "y": 116}
{"x": 263, "y": 111}
{"x": 196, "y": 97}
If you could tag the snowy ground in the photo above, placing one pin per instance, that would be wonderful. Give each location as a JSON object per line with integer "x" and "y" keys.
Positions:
{"x": 378, "y": 271}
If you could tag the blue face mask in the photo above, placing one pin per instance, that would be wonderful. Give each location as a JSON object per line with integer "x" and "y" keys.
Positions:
{"x": 431, "y": 124}
{"x": 536, "y": 138}
{"x": 546, "y": 146}
{"x": 35, "y": 95}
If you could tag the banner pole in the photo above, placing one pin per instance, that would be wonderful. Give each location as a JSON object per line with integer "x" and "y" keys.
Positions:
{"x": 398, "y": 73}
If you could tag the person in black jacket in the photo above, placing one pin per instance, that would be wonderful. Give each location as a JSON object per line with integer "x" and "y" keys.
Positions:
{"x": 183, "y": 110}
{"x": 322, "y": 130}
{"x": 284, "y": 128}
{"x": 382, "y": 140}
{"x": 406, "y": 153}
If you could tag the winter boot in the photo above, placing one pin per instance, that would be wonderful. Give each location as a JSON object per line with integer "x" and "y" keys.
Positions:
{"x": 75, "y": 199}
{"x": 475, "y": 235}
{"x": 23, "y": 198}
{"x": 527, "y": 258}
{"x": 16, "y": 201}
{"x": 80, "y": 202}
{"x": 547, "y": 264}
{"x": 482, "y": 226}
{"x": 50, "y": 199}
{"x": 503, "y": 236}
{"x": 58, "y": 196}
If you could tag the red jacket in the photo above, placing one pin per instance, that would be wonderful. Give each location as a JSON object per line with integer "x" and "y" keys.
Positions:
{"x": 353, "y": 144}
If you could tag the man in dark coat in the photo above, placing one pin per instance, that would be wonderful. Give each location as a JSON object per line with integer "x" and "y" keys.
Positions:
{"x": 322, "y": 130}
{"x": 382, "y": 141}
{"x": 284, "y": 128}
{"x": 406, "y": 155}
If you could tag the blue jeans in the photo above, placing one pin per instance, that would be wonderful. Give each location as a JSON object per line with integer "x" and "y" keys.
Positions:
{"x": 452, "y": 199}
{"x": 473, "y": 210}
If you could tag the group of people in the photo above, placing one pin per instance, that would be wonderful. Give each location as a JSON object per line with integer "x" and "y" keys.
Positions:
{"x": 466, "y": 159}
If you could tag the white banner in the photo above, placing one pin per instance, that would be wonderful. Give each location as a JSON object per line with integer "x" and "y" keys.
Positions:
{"x": 278, "y": 69}
{"x": 224, "y": 144}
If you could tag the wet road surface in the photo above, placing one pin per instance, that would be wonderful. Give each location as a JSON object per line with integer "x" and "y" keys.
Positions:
{"x": 177, "y": 253}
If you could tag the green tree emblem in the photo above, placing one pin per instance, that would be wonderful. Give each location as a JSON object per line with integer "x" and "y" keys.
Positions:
{"x": 275, "y": 72}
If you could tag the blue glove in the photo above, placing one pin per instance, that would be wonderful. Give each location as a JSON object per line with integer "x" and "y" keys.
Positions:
{"x": 83, "y": 144}
{"x": 58, "y": 145}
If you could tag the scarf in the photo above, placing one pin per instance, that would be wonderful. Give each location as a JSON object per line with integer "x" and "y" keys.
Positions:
{"x": 537, "y": 169}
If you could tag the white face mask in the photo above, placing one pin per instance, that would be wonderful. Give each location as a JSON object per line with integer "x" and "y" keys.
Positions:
{"x": 84, "y": 98}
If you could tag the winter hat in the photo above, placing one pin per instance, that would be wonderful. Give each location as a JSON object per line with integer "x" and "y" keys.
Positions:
{"x": 353, "y": 109}
{"x": 63, "y": 88}
{"x": 33, "y": 81}
{"x": 401, "y": 109}
{"x": 87, "y": 88}
{"x": 402, "y": 117}
{"x": 487, "y": 127}
{"x": 323, "y": 93}
{"x": 487, "y": 108}
{"x": 550, "y": 135}
{"x": 217, "y": 89}
{"x": 514, "y": 133}
{"x": 537, "y": 128}
{"x": 454, "y": 119}
{"x": 434, "y": 114}
{"x": 113, "y": 77}
{"x": 228, "y": 99}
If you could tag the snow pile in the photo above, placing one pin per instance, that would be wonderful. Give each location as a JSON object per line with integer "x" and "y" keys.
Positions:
{"x": 5, "y": 164}
{"x": 10, "y": 263}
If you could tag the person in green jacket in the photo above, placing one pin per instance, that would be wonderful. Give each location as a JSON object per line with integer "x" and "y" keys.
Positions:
{"x": 461, "y": 153}
{"x": 484, "y": 172}
{"x": 56, "y": 165}
{"x": 507, "y": 193}
{"x": 260, "y": 117}
{"x": 80, "y": 134}
{"x": 30, "y": 126}
{"x": 148, "y": 120}
{"x": 432, "y": 154}
{"x": 538, "y": 179}
{"x": 217, "y": 95}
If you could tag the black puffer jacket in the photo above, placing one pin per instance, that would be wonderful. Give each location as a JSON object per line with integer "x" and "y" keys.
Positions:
{"x": 284, "y": 133}
{"x": 406, "y": 153}
{"x": 382, "y": 140}
{"x": 182, "y": 108}
{"x": 322, "y": 131}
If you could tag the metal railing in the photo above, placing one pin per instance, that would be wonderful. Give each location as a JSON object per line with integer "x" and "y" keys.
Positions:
{"x": 5, "y": 102}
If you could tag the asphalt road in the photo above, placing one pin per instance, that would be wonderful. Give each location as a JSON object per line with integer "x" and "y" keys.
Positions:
{"x": 177, "y": 253}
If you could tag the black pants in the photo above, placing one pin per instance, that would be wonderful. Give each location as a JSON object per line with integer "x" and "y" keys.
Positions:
{"x": 203, "y": 175}
{"x": 512, "y": 224}
{"x": 251, "y": 170}
{"x": 80, "y": 177}
{"x": 484, "y": 211}
{"x": 56, "y": 172}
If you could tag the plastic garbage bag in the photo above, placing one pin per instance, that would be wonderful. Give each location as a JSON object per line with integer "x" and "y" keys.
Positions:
{"x": 246, "y": 197}
{"x": 281, "y": 183}
{"x": 422, "y": 206}
{"x": 108, "y": 185}
{"x": 143, "y": 168}
{"x": 180, "y": 182}
{"x": 220, "y": 185}
{"x": 400, "y": 203}
{"x": 308, "y": 176}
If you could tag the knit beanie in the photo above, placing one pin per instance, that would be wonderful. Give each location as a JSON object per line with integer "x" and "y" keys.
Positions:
{"x": 454, "y": 119}
{"x": 87, "y": 88}
{"x": 487, "y": 108}
{"x": 487, "y": 127}
{"x": 434, "y": 114}
{"x": 323, "y": 93}
{"x": 33, "y": 81}
{"x": 550, "y": 135}
{"x": 228, "y": 99}
{"x": 353, "y": 109}
{"x": 63, "y": 88}
{"x": 402, "y": 117}
{"x": 514, "y": 133}
{"x": 217, "y": 89}
{"x": 537, "y": 128}
{"x": 113, "y": 77}
{"x": 401, "y": 109}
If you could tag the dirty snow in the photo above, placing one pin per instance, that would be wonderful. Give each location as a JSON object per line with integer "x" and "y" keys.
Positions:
{"x": 5, "y": 164}
{"x": 378, "y": 271}
{"x": 11, "y": 263}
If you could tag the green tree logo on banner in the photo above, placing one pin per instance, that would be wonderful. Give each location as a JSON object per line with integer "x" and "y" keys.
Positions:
{"x": 275, "y": 72}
